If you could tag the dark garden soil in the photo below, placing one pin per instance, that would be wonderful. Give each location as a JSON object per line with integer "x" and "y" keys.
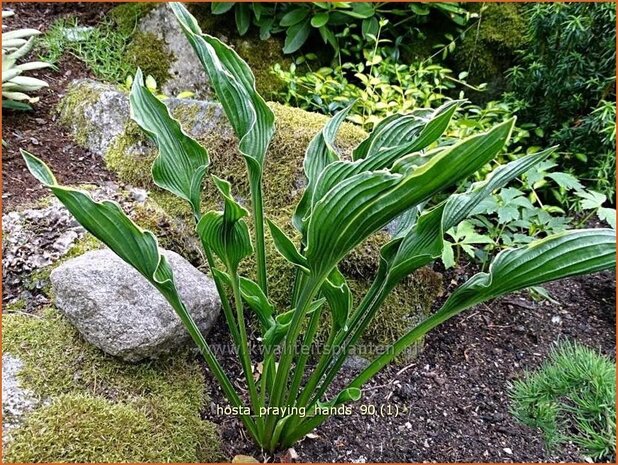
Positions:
{"x": 452, "y": 401}
{"x": 38, "y": 131}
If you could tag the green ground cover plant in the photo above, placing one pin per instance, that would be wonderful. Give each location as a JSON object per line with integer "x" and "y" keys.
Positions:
{"x": 112, "y": 49}
{"x": 571, "y": 397}
{"x": 393, "y": 173}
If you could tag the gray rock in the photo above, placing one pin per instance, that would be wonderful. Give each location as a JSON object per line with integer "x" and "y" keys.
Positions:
{"x": 97, "y": 102}
{"x": 16, "y": 401}
{"x": 355, "y": 363}
{"x": 99, "y": 120}
{"x": 118, "y": 310}
{"x": 186, "y": 71}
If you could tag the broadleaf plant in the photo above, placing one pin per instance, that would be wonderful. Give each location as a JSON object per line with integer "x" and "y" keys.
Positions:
{"x": 394, "y": 173}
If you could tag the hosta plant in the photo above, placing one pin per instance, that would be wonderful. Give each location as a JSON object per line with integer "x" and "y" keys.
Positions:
{"x": 398, "y": 168}
{"x": 15, "y": 86}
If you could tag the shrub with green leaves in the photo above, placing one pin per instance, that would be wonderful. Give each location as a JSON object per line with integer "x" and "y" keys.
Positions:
{"x": 571, "y": 398}
{"x": 565, "y": 82}
{"x": 516, "y": 215}
{"x": 300, "y": 20}
{"x": 393, "y": 172}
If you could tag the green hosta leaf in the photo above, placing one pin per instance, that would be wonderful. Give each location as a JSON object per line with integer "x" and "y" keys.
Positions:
{"x": 402, "y": 134}
{"x": 320, "y": 153}
{"x": 253, "y": 295}
{"x": 108, "y": 223}
{"x": 339, "y": 298}
{"x": 234, "y": 84}
{"x": 565, "y": 254}
{"x": 286, "y": 247}
{"x": 278, "y": 331}
{"x": 424, "y": 241}
{"x": 347, "y": 395}
{"x": 362, "y": 204}
{"x": 226, "y": 234}
{"x": 559, "y": 256}
{"x": 182, "y": 162}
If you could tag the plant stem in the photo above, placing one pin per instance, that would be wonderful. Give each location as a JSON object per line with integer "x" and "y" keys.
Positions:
{"x": 280, "y": 384}
{"x": 358, "y": 323}
{"x": 304, "y": 355}
{"x": 258, "y": 215}
{"x": 212, "y": 362}
{"x": 225, "y": 303}
{"x": 243, "y": 348}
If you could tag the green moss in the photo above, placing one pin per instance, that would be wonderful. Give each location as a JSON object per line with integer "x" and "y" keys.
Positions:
{"x": 17, "y": 305}
{"x": 103, "y": 409}
{"x": 487, "y": 51}
{"x": 147, "y": 52}
{"x": 71, "y": 109}
{"x": 132, "y": 169}
{"x": 175, "y": 231}
{"x": 126, "y": 15}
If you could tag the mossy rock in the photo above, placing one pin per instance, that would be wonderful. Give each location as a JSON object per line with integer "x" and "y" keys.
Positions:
{"x": 149, "y": 53}
{"x": 126, "y": 15}
{"x": 100, "y": 409}
{"x": 130, "y": 156}
{"x": 488, "y": 50}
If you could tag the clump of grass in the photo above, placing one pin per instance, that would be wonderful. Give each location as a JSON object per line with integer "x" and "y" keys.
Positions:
{"x": 101, "y": 48}
{"x": 107, "y": 49}
{"x": 571, "y": 398}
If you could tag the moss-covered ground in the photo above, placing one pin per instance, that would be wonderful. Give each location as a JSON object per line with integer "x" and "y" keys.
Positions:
{"x": 99, "y": 409}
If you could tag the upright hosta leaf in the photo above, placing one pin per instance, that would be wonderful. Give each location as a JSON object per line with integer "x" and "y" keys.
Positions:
{"x": 234, "y": 84}
{"x": 253, "y": 295}
{"x": 319, "y": 154}
{"x": 362, "y": 204}
{"x": 424, "y": 241}
{"x": 182, "y": 162}
{"x": 279, "y": 330}
{"x": 226, "y": 233}
{"x": 339, "y": 298}
{"x": 402, "y": 134}
{"x": 108, "y": 223}
{"x": 561, "y": 255}
{"x": 570, "y": 253}
{"x": 286, "y": 247}
{"x": 394, "y": 138}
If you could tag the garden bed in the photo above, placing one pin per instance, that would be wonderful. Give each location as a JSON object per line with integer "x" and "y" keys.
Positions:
{"x": 449, "y": 405}
{"x": 452, "y": 401}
